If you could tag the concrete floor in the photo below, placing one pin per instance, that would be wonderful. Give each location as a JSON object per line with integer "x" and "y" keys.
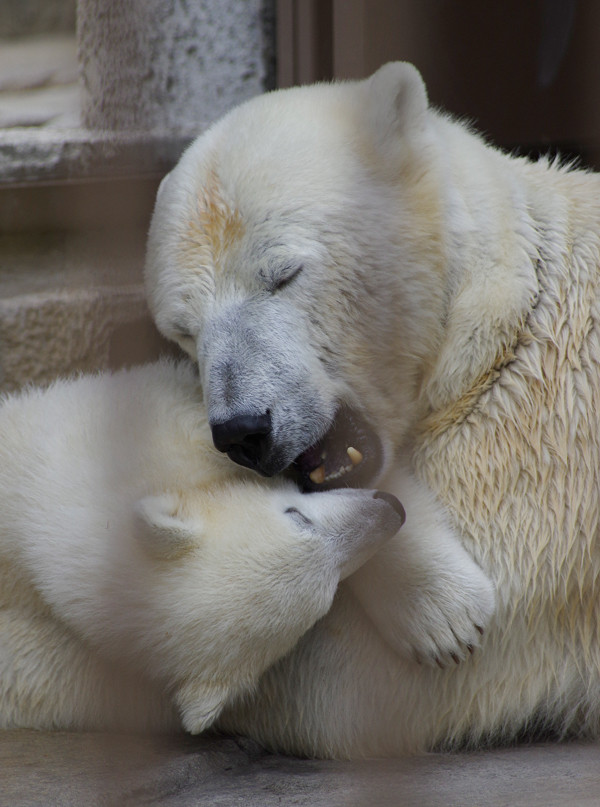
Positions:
{"x": 97, "y": 770}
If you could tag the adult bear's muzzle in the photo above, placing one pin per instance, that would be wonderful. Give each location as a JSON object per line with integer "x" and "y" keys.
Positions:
{"x": 267, "y": 396}
{"x": 244, "y": 438}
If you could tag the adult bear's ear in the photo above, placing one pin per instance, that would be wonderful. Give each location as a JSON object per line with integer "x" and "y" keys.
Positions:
{"x": 396, "y": 100}
{"x": 160, "y": 529}
{"x": 163, "y": 184}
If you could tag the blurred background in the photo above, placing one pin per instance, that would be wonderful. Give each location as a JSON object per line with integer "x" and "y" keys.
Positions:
{"x": 98, "y": 99}
{"x": 526, "y": 72}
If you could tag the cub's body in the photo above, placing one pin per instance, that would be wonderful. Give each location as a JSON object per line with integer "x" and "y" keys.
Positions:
{"x": 144, "y": 582}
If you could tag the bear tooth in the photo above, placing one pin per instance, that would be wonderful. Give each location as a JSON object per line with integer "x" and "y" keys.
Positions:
{"x": 345, "y": 469}
{"x": 355, "y": 456}
{"x": 318, "y": 475}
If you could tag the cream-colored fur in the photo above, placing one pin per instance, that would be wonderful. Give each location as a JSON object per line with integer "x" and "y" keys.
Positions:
{"x": 345, "y": 244}
{"x": 145, "y": 582}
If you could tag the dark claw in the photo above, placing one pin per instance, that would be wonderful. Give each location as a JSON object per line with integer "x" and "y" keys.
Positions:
{"x": 470, "y": 648}
{"x": 480, "y": 629}
{"x": 455, "y": 658}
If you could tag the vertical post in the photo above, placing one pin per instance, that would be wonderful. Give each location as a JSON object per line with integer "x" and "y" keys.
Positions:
{"x": 170, "y": 64}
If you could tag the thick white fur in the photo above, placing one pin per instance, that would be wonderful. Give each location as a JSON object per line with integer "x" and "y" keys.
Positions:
{"x": 435, "y": 607}
{"x": 451, "y": 293}
{"x": 145, "y": 581}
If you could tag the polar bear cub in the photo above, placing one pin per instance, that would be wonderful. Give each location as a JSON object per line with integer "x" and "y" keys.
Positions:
{"x": 147, "y": 582}
{"x": 139, "y": 571}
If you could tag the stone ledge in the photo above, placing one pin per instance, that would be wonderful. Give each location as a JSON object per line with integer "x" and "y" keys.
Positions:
{"x": 53, "y": 179}
{"x": 107, "y": 204}
{"x": 44, "y": 336}
{"x": 53, "y": 155}
{"x": 74, "y": 769}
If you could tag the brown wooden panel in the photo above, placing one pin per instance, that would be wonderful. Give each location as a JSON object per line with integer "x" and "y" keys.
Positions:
{"x": 304, "y": 36}
{"x": 350, "y": 38}
{"x": 285, "y": 43}
{"x": 526, "y": 73}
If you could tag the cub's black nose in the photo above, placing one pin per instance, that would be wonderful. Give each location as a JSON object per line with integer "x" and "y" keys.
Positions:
{"x": 243, "y": 438}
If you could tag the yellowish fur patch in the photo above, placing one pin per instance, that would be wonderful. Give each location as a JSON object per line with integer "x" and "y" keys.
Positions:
{"x": 455, "y": 413}
{"x": 213, "y": 227}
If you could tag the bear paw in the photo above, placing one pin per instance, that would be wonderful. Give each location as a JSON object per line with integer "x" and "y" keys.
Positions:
{"x": 442, "y": 621}
{"x": 446, "y": 622}
{"x": 436, "y": 615}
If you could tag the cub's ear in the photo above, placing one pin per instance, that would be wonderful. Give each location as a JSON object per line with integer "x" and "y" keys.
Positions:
{"x": 159, "y": 528}
{"x": 396, "y": 99}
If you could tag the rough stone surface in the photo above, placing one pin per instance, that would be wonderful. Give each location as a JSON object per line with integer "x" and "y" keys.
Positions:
{"x": 48, "y": 154}
{"x": 161, "y": 64}
{"x": 56, "y": 334}
{"x": 95, "y": 769}
{"x": 72, "y": 304}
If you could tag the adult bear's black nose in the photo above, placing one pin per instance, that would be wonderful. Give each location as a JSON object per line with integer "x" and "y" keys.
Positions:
{"x": 243, "y": 438}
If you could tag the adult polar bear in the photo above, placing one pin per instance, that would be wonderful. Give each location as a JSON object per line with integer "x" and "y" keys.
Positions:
{"x": 341, "y": 259}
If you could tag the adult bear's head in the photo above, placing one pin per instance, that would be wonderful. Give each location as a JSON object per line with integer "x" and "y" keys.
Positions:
{"x": 294, "y": 252}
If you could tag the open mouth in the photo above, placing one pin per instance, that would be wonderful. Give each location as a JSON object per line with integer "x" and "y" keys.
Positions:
{"x": 349, "y": 455}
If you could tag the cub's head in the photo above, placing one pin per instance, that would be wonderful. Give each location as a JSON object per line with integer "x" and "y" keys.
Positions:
{"x": 238, "y": 572}
{"x": 292, "y": 252}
